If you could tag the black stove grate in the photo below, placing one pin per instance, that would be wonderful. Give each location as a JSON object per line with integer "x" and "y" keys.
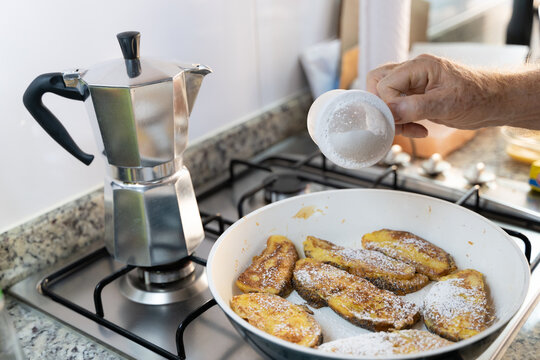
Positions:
{"x": 99, "y": 317}
{"x": 305, "y": 170}
{"x": 321, "y": 174}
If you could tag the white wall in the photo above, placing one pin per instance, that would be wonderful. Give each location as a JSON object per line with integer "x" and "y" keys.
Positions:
{"x": 252, "y": 46}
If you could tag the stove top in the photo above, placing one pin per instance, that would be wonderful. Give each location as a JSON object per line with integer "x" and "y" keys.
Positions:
{"x": 149, "y": 326}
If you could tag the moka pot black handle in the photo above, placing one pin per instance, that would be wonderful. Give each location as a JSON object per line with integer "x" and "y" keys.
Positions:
{"x": 54, "y": 83}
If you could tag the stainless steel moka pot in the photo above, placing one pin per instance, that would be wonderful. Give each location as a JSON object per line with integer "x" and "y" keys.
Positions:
{"x": 139, "y": 110}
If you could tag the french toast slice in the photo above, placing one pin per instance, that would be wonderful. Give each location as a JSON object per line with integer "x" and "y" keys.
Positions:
{"x": 399, "y": 286}
{"x": 457, "y": 306}
{"x": 381, "y": 270}
{"x": 316, "y": 281}
{"x": 352, "y": 297}
{"x": 271, "y": 271}
{"x": 279, "y": 317}
{"x": 398, "y": 342}
{"x": 427, "y": 258}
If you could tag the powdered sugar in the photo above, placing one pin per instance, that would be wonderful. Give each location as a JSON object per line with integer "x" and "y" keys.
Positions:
{"x": 376, "y": 260}
{"x": 353, "y": 128}
{"x": 388, "y": 308}
{"x": 278, "y": 317}
{"x": 412, "y": 242}
{"x": 381, "y": 343}
{"x": 270, "y": 278}
{"x": 428, "y": 258}
{"x": 366, "y": 344}
{"x": 451, "y": 299}
{"x": 323, "y": 278}
{"x": 358, "y": 296}
{"x": 270, "y": 271}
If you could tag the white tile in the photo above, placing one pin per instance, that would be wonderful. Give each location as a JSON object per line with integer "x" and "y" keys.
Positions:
{"x": 39, "y": 37}
{"x": 285, "y": 28}
{"x": 252, "y": 46}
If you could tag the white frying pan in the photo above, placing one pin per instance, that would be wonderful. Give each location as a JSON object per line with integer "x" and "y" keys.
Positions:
{"x": 342, "y": 217}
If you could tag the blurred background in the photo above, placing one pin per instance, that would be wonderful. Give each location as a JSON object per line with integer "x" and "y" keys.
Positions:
{"x": 262, "y": 53}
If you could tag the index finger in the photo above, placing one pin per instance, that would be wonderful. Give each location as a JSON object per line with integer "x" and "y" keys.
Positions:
{"x": 376, "y": 75}
{"x": 408, "y": 78}
{"x": 393, "y": 85}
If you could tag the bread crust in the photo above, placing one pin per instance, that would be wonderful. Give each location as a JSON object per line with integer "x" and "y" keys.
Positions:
{"x": 279, "y": 317}
{"x": 427, "y": 258}
{"x": 382, "y": 271}
{"x": 457, "y": 307}
{"x": 398, "y": 286}
{"x": 271, "y": 271}
{"x": 353, "y": 298}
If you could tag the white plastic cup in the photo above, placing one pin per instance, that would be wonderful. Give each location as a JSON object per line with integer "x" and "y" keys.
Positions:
{"x": 353, "y": 128}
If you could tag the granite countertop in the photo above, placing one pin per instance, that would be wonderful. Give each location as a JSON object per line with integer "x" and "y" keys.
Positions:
{"x": 42, "y": 337}
{"x": 489, "y": 147}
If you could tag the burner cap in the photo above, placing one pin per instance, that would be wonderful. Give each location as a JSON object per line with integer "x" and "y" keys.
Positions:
{"x": 164, "y": 284}
{"x": 281, "y": 186}
{"x": 161, "y": 275}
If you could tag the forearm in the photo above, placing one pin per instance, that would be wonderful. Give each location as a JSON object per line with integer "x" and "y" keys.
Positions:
{"x": 458, "y": 96}
{"x": 515, "y": 99}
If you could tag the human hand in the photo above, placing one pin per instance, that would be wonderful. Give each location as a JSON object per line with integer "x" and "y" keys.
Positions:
{"x": 436, "y": 89}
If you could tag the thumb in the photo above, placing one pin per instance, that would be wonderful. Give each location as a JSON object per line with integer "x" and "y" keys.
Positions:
{"x": 412, "y": 108}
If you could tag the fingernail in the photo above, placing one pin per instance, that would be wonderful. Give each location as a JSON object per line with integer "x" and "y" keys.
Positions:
{"x": 394, "y": 108}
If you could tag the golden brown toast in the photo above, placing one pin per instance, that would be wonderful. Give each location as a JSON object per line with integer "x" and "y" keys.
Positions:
{"x": 279, "y": 317}
{"x": 457, "y": 306}
{"x": 316, "y": 281}
{"x": 398, "y": 286}
{"x": 381, "y": 270}
{"x": 352, "y": 297}
{"x": 427, "y": 258}
{"x": 386, "y": 343}
{"x": 271, "y": 271}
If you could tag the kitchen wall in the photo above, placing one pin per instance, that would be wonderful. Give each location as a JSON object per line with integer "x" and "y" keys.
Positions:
{"x": 252, "y": 46}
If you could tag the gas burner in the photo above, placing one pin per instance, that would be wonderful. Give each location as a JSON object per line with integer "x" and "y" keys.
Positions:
{"x": 164, "y": 284}
{"x": 478, "y": 174}
{"x": 281, "y": 186}
{"x": 435, "y": 165}
{"x": 396, "y": 156}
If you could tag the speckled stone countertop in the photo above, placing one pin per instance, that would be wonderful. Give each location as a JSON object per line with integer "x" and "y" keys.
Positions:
{"x": 74, "y": 226}
{"x": 489, "y": 147}
{"x": 42, "y": 337}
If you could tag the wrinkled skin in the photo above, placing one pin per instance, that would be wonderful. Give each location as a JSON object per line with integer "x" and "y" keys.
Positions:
{"x": 447, "y": 93}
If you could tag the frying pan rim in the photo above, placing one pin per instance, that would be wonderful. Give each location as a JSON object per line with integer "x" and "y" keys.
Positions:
{"x": 310, "y": 351}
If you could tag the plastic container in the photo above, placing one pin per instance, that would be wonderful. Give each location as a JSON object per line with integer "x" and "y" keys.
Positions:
{"x": 9, "y": 345}
{"x": 353, "y": 128}
{"x": 522, "y": 144}
{"x": 534, "y": 176}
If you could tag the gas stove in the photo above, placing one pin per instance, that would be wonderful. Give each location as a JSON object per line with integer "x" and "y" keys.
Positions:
{"x": 168, "y": 312}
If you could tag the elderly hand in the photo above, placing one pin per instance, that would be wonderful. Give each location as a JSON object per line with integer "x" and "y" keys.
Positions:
{"x": 439, "y": 90}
